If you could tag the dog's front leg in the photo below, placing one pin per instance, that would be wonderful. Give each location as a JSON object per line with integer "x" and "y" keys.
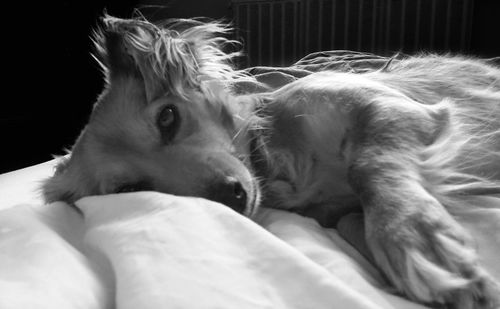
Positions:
{"x": 422, "y": 250}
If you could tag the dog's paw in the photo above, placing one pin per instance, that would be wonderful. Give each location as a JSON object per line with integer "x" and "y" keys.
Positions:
{"x": 433, "y": 261}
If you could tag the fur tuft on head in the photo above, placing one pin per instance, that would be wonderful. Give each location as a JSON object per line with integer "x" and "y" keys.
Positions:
{"x": 174, "y": 55}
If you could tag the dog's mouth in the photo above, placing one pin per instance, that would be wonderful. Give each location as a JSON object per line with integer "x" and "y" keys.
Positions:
{"x": 253, "y": 202}
{"x": 258, "y": 167}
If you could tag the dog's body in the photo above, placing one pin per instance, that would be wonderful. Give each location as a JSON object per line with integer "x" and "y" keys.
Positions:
{"x": 446, "y": 127}
{"x": 335, "y": 139}
{"x": 409, "y": 143}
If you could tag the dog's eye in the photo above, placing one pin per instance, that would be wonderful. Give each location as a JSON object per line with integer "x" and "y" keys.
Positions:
{"x": 168, "y": 122}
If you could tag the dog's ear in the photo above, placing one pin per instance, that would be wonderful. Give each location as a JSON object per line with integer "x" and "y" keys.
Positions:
{"x": 111, "y": 55}
{"x": 169, "y": 57}
{"x": 122, "y": 48}
{"x": 70, "y": 180}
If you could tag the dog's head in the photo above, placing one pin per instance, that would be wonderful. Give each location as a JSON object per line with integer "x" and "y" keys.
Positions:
{"x": 164, "y": 121}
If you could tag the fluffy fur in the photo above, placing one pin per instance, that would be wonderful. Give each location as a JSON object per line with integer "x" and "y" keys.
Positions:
{"x": 409, "y": 143}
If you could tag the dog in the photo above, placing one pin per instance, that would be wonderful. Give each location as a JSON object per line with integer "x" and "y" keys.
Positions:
{"x": 409, "y": 143}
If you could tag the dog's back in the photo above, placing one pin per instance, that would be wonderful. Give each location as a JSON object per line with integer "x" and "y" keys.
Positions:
{"x": 472, "y": 87}
{"x": 453, "y": 102}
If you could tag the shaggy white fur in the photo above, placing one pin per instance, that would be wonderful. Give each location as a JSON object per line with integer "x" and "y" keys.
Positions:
{"x": 408, "y": 142}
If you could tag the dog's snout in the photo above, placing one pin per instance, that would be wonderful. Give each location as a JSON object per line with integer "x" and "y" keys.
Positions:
{"x": 229, "y": 192}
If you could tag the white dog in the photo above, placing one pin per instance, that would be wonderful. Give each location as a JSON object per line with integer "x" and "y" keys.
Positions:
{"x": 408, "y": 143}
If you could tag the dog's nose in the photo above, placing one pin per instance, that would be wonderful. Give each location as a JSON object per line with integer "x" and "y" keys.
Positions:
{"x": 229, "y": 192}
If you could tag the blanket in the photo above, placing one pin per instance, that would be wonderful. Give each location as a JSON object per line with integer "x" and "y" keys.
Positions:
{"x": 154, "y": 250}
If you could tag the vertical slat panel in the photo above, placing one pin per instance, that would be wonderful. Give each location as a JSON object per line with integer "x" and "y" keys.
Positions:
{"x": 448, "y": 22}
{"x": 379, "y": 26}
{"x": 237, "y": 20}
{"x": 334, "y": 20}
{"x": 295, "y": 29}
{"x": 346, "y": 25}
{"x": 237, "y": 13}
{"x": 374, "y": 25}
{"x": 464, "y": 30}
{"x": 433, "y": 23}
{"x": 417, "y": 25}
{"x": 360, "y": 24}
{"x": 403, "y": 23}
{"x": 259, "y": 31}
{"x": 283, "y": 7}
{"x": 320, "y": 25}
{"x": 271, "y": 30}
{"x": 249, "y": 40}
{"x": 307, "y": 20}
{"x": 388, "y": 21}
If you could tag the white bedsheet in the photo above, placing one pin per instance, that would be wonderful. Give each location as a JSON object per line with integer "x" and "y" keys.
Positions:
{"x": 153, "y": 250}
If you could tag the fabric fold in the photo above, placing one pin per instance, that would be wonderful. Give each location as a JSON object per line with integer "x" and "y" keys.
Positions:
{"x": 40, "y": 268}
{"x": 193, "y": 253}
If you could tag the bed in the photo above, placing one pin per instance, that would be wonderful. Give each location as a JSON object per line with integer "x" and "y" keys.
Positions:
{"x": 154, "y": 250}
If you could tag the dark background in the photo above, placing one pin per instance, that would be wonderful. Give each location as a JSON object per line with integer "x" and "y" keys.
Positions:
{"x": 52, "y": 81}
